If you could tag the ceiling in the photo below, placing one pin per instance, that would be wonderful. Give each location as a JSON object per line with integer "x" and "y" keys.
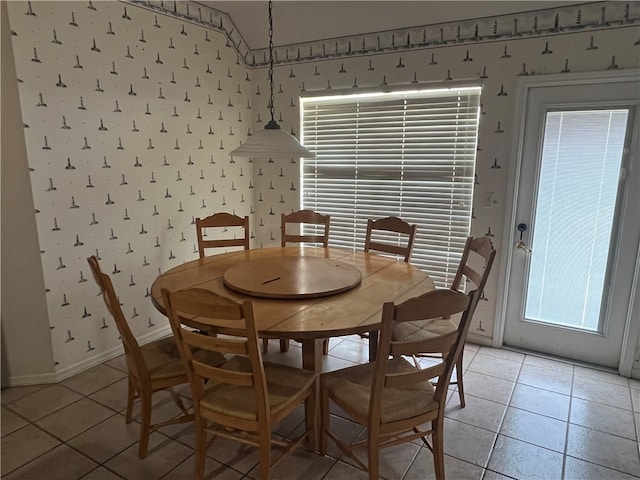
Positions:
{"x": 303, "y": 21}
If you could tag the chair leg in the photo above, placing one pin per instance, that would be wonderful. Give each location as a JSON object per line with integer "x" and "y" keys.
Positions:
{"x": 460, "y": 381}
{"x": 201, "y": 448}
{"x": 265, "y": 455}
{"x": 325, "y": 346}
{"x": 284, "y": 344}
{"x": 373, "y": 458}
{"x": 145, "y": 423}
{"x": 437, "y": 441}
{"x": 311, "y": 417}
{"x": 324, "y": 421}
{"x": 265, "y": 345}
{"x": 131, "y": 395}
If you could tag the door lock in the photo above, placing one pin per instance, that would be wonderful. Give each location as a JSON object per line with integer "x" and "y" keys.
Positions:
{"x": 520, "y": 245}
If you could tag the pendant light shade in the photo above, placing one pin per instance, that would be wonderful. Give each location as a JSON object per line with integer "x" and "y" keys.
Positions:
{"x": 272, "y": 141}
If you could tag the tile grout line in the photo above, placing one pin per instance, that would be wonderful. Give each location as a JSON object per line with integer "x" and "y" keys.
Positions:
{"x": 566, "y": 433}
{"x": 484, "y": 467}
{"x": 491, "y": 452}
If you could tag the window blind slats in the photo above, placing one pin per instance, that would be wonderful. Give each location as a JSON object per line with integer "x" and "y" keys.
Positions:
{"x": 408, "y": 154}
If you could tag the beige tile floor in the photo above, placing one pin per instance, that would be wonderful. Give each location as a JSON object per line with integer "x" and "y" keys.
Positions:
{"x": 526, "y": 417}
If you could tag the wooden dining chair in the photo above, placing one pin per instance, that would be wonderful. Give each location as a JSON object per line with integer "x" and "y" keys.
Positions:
{"x": 386, "y": 234}
{"x": 152, "y": 367}
{"x": 301, "y": 218}
{"x": 245, "y": 398}
{"x": 392, "y": 398}
{"x": 222, "y": 220}
{"x": 474, "y": 268}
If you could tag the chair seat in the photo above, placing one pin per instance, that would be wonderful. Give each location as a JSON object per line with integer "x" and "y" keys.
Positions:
{"x": 352, "y": 386}
{"x": 284, "y": 384}
{"x": 422, "y": 329}
{"x": 163, "y": 358}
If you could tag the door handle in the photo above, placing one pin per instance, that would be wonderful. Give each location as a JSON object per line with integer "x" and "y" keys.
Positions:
{"x": 520, "y": 245}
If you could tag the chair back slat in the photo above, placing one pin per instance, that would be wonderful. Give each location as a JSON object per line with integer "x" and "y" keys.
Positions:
{"x": 393, "y": 225}
{"x": 195, "y": 301}
{"x": 445, "y": 303}
{"x": 221, "y": 220}
{"x": 385, "y": 247}
{"x": 473, "y": 276}
{"x": 223, "y": 345}
{"x": 404, "y": 380}
{"x": 301, "y": 218}
{"x": 305, "y": 238}
{"x": 483, "y": 246}
{"x": 438, "y": 344}
{"x": 223, "y": 243}
{"x": 241, "y": 379}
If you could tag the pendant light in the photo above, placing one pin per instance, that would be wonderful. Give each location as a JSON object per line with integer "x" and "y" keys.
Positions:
{"x": 272, "y": 141}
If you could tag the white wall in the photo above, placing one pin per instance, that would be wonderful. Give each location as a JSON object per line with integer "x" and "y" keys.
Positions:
{"x": 24, "y": 308}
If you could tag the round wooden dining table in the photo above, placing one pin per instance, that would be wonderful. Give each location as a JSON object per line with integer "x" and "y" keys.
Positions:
{"x": 306, "y": 293}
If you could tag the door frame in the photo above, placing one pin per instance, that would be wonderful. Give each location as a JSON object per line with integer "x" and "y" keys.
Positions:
{"x": 524, "y": 85}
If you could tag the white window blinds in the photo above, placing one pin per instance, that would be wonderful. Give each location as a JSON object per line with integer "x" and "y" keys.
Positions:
{"x": 406, "y": 154}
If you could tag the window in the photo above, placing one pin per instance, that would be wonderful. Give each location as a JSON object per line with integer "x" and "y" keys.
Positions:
{"x": 407, "y": 153}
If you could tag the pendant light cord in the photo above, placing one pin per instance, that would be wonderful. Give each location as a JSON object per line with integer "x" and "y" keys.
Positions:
{"x": 273, "y": 141}
{"x": 272, "y": 125}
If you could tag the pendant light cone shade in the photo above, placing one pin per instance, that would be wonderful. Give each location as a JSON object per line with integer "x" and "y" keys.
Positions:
{"x": 272, "y": 141}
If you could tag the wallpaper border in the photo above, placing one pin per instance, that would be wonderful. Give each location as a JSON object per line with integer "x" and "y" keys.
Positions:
{"x": 537, "y": 23}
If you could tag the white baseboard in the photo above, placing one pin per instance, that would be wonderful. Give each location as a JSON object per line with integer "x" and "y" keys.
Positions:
{"x": 479, "y": 340}
{"x": 87, "y": 363}
{"x": 156, "y": 334}
{"x": 25, "y": 380}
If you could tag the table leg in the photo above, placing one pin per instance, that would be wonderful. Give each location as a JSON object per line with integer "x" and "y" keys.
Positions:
{"x": 373, "y": 345}
{"x": 312, "y": 360}
{"x": 312, "y": 354}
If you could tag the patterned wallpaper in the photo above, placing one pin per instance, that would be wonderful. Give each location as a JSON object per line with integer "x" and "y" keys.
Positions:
{"x": 131, "y": 110}
{"x": 129, "y": 117}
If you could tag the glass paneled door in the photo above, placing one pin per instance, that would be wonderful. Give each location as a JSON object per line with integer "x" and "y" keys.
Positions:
{"x": 572, "y": 266}
{"x": 575, "y": 219}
